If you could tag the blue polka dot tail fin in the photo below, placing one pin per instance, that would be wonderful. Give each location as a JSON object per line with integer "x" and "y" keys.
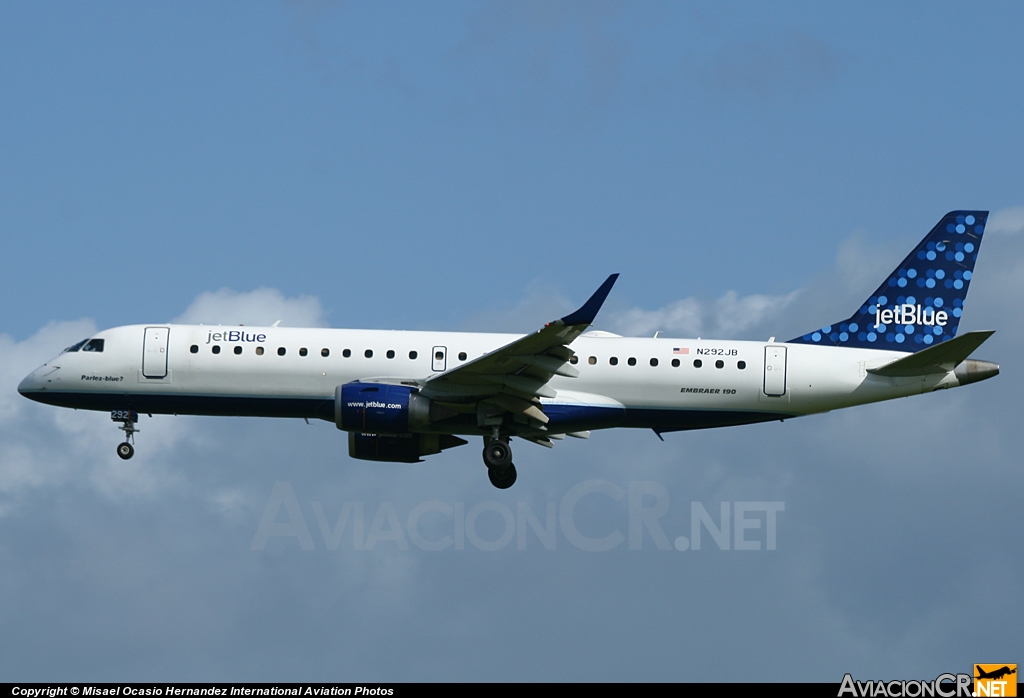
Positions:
{"x": 920, "y": 303}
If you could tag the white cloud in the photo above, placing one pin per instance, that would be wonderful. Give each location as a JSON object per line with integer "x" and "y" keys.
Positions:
{"x": 727, "y": 317}
{"x": 1006, "y": 221}
{"x": 261, "y": 307}
{"x": 35, "y": 448}
{"x": 540, "y": 303}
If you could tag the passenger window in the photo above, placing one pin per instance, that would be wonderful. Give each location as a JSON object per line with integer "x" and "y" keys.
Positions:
{"x": 325, "y": 352}
{"x": 391, "y": 353}
{"x": 413, "y": 355}
{"x": 281, "y": 351}
{"x": 719, "y": 364}
{"x": 238, "y": 350}
{"x": 574, "y": 360}
{"x": 194, "y": 348}
{"x": 346, "y": 353}
{"x": 614, "y": 361}
{"x": 592, "y": 361}
{"x": 368, "y": 353}
{"x": 631, "y": 361}
{"x": 675, "y": 363}
{"x": 462, "y": 356}
{"x": 259, "y": 351}
{"x": 303, "y": 351}
{"x": 654, "y": 362}
{"x": 697, "y": 363}
{"x": 741, "y": 365}
{"x": 93, "y": 345}
{"x": 215, "y": 349}
{"x": 439, "y": 355}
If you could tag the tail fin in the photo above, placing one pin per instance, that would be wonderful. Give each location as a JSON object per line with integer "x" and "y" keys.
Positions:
{"x": 921, "y": 302}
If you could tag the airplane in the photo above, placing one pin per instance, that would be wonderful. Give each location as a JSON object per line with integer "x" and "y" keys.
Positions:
{"x": 402, "y": 395}
{"x": 995, "y": 674}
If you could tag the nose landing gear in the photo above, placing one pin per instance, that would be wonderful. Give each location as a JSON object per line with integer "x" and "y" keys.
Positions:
{"x": 498, "y": 459}
{"x": 128, "y": 419}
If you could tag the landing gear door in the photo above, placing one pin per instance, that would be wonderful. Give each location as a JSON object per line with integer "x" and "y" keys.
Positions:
{"x": 774, "y": 371}
{"x": 440, "y": 360}
{"x": 154, "y": 352}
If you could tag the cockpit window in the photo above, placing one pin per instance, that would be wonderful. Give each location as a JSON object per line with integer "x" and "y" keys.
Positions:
{"x": 93, "y": 345}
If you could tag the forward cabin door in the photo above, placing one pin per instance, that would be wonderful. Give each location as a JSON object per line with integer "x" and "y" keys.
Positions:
{"x": 154, "y": 352}
{"x": 774, "y": 371}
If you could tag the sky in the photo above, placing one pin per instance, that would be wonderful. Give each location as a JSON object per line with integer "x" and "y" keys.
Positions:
{"x": 750, "y": 170}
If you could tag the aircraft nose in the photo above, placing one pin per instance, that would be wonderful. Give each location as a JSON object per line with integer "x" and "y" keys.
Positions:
{"x": 34, "y": 382}
{"x": 29, "y": 384}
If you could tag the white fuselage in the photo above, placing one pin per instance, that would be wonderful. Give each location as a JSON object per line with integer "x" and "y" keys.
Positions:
{"x": 663, "y": 383}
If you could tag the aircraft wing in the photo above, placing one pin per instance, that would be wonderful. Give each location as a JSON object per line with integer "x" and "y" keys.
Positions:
{"x": 514, "y": 377}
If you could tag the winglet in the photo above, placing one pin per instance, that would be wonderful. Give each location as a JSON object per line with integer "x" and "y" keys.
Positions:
{"x": 586, "y": 314}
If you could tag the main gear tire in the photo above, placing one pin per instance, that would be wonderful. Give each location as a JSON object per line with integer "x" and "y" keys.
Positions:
{"x": 502, "y": 478}
{"x": 497, "y": 454}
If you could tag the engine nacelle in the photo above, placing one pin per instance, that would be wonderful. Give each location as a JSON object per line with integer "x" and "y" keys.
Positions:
{"x": 399, "y": 448}
{"x": 380, "y": 408}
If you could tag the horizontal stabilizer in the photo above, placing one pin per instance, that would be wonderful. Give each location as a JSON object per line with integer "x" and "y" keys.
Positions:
{"x": 940, "y": 358}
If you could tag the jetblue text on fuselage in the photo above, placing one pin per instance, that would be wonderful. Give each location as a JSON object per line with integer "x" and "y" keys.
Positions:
{"x": 234, "y": 336}
{"x": 907, "y": 314}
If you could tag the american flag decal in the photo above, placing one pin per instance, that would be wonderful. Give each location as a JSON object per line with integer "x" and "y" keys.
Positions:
{"x": 681, "y": 350}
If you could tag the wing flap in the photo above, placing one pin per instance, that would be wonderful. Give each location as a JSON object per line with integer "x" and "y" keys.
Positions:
{"x": 518, "y": 406}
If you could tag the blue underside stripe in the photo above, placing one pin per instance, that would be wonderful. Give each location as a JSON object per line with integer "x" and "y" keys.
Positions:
{"x": 563, "y": 416}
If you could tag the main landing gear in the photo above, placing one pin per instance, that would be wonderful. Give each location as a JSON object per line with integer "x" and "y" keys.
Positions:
{"x": 128, "y": 419}
{"x": 498, "y": 459}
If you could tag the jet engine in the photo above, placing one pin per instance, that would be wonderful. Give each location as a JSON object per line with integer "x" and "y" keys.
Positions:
{"x": 381, "y": 419}
{"x": 380, "y": 408}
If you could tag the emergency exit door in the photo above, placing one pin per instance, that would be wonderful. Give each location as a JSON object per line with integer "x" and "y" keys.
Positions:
{"x": 440, "y": 361}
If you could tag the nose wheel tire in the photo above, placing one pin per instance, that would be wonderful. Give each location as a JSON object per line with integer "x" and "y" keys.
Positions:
{"x": 125, "y": 450}
{"x": 502, "y": 478}
{"x": 497, "y": 454}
